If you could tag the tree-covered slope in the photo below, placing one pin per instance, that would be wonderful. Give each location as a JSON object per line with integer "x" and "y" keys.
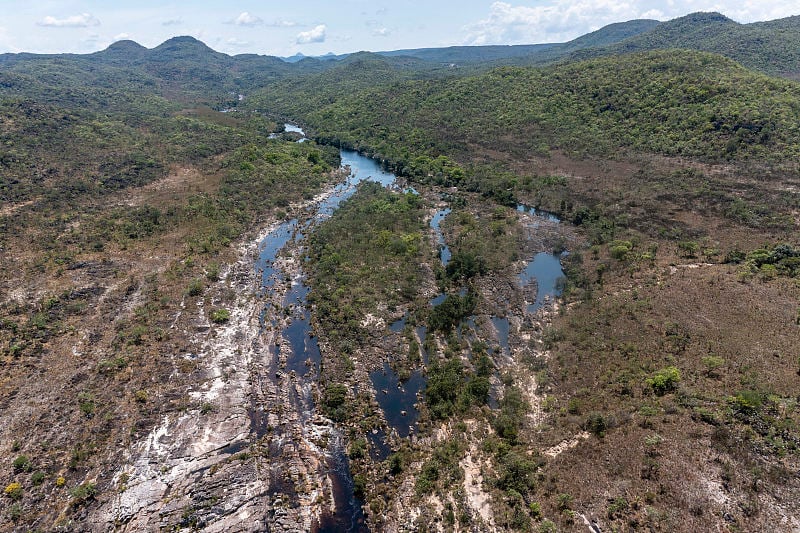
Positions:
{"x": 295, "y": 96}
{"x": 665, "y": 102}
{"x": 605, "y": 36}
{"x": 772, "y": 47}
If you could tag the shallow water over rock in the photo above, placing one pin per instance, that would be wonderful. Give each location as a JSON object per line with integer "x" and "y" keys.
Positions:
{"x": 397, "y": 398}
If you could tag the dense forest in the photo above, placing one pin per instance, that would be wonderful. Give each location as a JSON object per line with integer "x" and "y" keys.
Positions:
{"x": 184, "y": 340}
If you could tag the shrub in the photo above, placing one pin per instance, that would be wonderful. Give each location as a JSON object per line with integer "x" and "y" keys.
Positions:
{"x": 396, "y": 463}
{"x": 359, "y": 485}
{"x": 664, "y": 380}
{"x": 38, "y": 477}
{"x": 746, "y": 401}
{"x": 516, "y": 474}
{"x": 574, "y": 406}
{"x": 688, "y": 249}
{"x": 113, "y": 365}
{"x": 617, "y": 508}
{"x": 619, "y": 250}
{"x": 220, "y": 316}
{"x": 465, "y": 265}
{"x": 22, "y": 464}
{"x": 86, "y": 404}
{"x": 358, "y": 449}
{"x": 547, "y": 526}
{"x": 83, "y": 493}
{"x": 597, "y": 424}
{"x": 335, "y": 401}
{"x": 13, "y": 491}
{"x": 713, "y": 363}
{"x": 212, "y": 272}
{"x": 195, "y": 288}
{"x": 564, "y": 502}
{"x": 451, "y": 311}
{"x": 15, "y": 512}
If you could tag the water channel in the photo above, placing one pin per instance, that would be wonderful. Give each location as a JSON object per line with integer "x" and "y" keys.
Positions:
{"x": 304, "y": 357}
{"x": 395, "y": 397}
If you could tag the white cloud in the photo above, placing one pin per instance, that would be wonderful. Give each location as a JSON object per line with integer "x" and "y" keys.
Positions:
{"x": 381, "y": 32}
{"x": 562, "y": 20}
{"x": 281, "y": 23}
{"x": 172, "y": 22}
{"x": 247, "y": 19}
{"x": 233, "y": 41}
{"x": 315, "y": 35}
{"x": 121, "y": 37}
{"x": 84, "y": 20}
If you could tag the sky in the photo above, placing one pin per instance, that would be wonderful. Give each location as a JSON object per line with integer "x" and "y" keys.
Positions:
{"x": 316, "y": 27}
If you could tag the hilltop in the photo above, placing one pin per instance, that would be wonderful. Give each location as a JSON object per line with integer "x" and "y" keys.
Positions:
{"x": 772, "y": 47}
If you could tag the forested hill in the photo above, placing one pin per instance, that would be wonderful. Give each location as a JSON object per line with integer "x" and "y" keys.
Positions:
{"x": 181, "y": 65}
{"x": 666, "y": 102}
{"x": 185, "y": 66}
{"x": 590, "y": 43}
{"x": 772, "y": 47}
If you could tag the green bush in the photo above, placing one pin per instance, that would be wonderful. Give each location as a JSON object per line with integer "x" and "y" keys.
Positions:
{"x": 564, "y": 502}
{"x": 713, "y": 363}
{"x": 38, "y": 477}
{"x": 547, "y": 526}
{"x": 746, "y": 401}
{"x": 22, "y": 464}
{"x": 359, "y": 485}
{"x": 597, "y": 424}
{"x": 617, "y": 508}
{"x": 619, "y": 250}
{"x": 664, "y": 380}
{"x": 83, "y": 493}
{"x": 451, "y": 311}
{"x": 465, "y": 265}
{"x": 688, "y": 249}
{"x": 212, "y": 272}
{"x": 220, "y": 316}
{"x": 195, "y": 288}
{"x": 334, "y": 401}
{"x": 86, "y": 404}
{"x": 516, "y": 473}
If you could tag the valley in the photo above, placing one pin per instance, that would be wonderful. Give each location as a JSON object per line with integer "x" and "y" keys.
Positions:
{"x": 552, "y": 289}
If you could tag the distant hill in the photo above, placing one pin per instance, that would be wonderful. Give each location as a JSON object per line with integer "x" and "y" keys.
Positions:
{"x": 185, "y": 65}
{"x": 772, "y": 47}
{"x": 504, "y": 54}
{"x": 470, "y": 54}
{"x": 605, "y": 36}
{"x": 294, "y": 96}
{"x": 497, "y": 54}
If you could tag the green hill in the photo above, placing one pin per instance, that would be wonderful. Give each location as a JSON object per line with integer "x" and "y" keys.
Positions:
{"x": 667, "y": 102}
{"x": 527, "y": 53}
{"x": 772, "y": 47}
{"x": 294, "y": 96}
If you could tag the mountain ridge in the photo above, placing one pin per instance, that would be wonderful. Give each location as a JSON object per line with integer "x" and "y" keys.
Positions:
{"x": 772, "y": 47}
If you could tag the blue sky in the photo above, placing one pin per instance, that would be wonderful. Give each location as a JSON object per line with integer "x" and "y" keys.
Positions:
{"x": 315, "y": 27}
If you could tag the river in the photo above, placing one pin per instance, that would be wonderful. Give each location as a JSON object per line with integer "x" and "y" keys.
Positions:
{"x": 250, "y": 442}
{"x": 303, "y": 359}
